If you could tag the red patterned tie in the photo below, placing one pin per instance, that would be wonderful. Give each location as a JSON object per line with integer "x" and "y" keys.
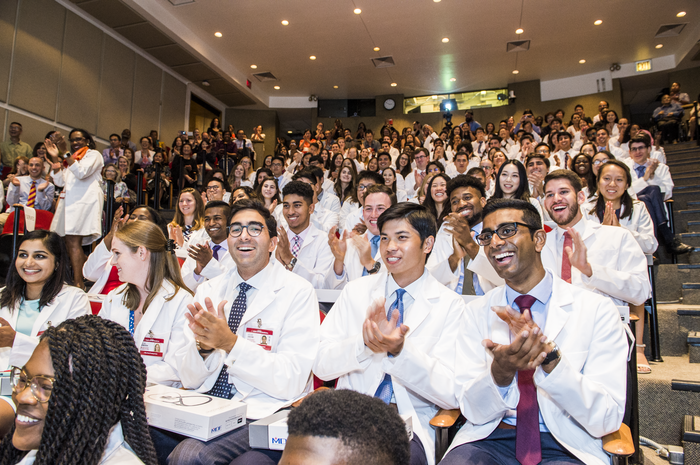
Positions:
{"x": 565, "y": 263}
{"x": 31, "y": 200}
{"x": 528, "y": 450}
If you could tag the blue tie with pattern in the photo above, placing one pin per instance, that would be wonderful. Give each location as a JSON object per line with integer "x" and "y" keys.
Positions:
{"x": 374, "y": 243}
{"x": 215, "y": 251}
{"x": 222, "y": 388}
{"x": 640, "y": 169}
{"x": 385, "y": 391}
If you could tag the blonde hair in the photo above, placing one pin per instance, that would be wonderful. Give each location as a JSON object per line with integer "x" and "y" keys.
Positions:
{"x": 163, "y": 265}
{"x": 179, "y": 218}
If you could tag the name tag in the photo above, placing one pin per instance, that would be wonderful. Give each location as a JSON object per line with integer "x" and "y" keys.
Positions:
{"x": 262, "y": 337}
{"x": 153, "y": 347}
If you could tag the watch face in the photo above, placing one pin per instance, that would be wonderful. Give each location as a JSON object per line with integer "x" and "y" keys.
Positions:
{"x": 389, "y": 104}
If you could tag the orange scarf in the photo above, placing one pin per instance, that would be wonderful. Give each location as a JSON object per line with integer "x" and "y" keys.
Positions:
{"x": 78, "y": 155}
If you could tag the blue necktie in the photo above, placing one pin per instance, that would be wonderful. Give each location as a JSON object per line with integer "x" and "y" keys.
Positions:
{"x": 215, "y": 251}
{"x": 640, "y": 169}
{"x": 385, "y": 391}
{"x": 222, "y": 388}
{"x": 374, "y": 243}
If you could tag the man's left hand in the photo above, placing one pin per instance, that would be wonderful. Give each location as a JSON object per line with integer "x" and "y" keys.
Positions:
{"x": 578, "y": 257}
{"x": 382, "y": 335}
{"x": 210, "y": 326}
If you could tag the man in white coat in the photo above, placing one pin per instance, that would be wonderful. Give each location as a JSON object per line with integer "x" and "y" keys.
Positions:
{"x": 603, "y": 259}
{"x": 301, "y": 247}
{"x": 389, "y": 333}
{"x": 547, "y": 383}
{"x": 226, "y": 354}
{"x": 326, "y": 204}
{"x": 414, "y": 180}
{"x": 356, "y": 255}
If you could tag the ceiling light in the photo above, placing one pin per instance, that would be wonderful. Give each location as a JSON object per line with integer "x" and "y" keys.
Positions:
{"x": 285, "y": 23}
{"x": 218, "y": 34}
{"x": 659, "y": 45}
{"x": 376, "y": 49}
{"x": 436, "y": 1}
{"x": 582, "y": 61}
{"x": 681, "y": 14}
{"x": 453, "y": 79}
{"x": 357, "y": 11}
{"x": 289, "y": 132}
{"x": 445, "y": 40}
{"x": 598, "y": 22}
{"x": 277, "y": 87}
{"x": 335, "y": 87}
{"x": 519, "y": 31}
{"x": 515, "y": 71}
{"x": 205, "y": 83}
{"x": 312, "y": 57}
{"x": 254, "y": 66}
{"x": 393, "y": 84}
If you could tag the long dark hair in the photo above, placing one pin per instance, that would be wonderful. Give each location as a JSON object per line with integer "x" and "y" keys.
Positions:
{"x": 589, "y": 177}
{"x": 99, "y": 380}
{"x": 406, "y": 170}
{"x": 523, "y": 190}
{"x": 626, "y": 200}
{"x": 15, "y": 286}
{"x": 352, "y": 187}
{"x": 267, "y": 171}
{"x": 430, "y": 203}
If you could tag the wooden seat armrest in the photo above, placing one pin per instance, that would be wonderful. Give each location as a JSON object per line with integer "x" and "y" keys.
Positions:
{"x": 669, "y": 201}
{"x": 620, "y": 442}
{"x": 298, "y": 402}
{"x": 445, "y": 418}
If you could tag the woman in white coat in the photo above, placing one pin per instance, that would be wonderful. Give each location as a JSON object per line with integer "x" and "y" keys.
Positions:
{"x": 37, "y": 295}
{"x": 78, "y": 215}
{"x": 613, "y": 206}
{"x": 153, "y": 300}
{"x": 80, "y": 399}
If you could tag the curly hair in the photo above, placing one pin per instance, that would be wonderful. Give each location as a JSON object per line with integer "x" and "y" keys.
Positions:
{"x": 100, "y": 379}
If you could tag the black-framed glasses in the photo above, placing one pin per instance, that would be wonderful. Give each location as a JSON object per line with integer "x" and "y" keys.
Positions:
{"x": 504, "y": 231}
{"x": 254, "y": 229}
{"x": 40, "y": 386}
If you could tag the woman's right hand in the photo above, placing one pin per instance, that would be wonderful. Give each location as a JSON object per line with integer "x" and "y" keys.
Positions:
{"x": 7, "y": 334}
{"x": 175, "y": 234}
{"x": 272, "y": 206}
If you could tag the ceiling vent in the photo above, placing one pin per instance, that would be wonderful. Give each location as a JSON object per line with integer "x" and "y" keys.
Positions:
{"x": 383, "y": 62}
{"x": 180, "y": 2}
{"x": 518, "y": 46}
{"x": 669, "y": 30}
{"x": 263, "y": 77}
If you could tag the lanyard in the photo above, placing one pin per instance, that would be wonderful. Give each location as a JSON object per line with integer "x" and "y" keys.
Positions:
{"x": 131, "y": 322}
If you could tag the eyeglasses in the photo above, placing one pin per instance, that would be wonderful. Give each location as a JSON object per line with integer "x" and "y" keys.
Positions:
{"x": 76, "y": 139}
{"x": 504, "y": 231}
{"x": 600, "y": 162}
{"x": 361, "y": 187}
{"x": 254, "y": 229}
{"x": 40, "y": 386}
{"x": 213, "y": 188}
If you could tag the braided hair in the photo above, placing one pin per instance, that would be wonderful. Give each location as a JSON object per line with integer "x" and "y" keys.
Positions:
{"x": 100, "y": 379}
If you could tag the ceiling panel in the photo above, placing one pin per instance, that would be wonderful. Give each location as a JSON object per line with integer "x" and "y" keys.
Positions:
{"x": 236, "y": 99}
{"x": 172, "y": 55}
{"x": 196, "y": 72}
{"x": 111, "y": 12}
{"x": 145, "y": 35}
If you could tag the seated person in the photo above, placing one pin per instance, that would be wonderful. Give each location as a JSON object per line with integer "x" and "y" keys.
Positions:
{"x": 544, "y": 384}
{"x": 80, "y": 398}
{"x": 326, "y": 212}
{"x": 667, "y": 117}
{"x": 31, "y": 190}
{"x": 351, "y": 213}
{"x": 331, "y": 425}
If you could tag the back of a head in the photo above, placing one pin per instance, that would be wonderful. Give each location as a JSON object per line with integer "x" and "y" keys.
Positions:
{"x": 371, "y": 432}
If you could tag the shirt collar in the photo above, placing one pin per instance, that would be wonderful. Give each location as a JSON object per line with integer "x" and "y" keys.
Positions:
{"x": 579, "y": 227}
{"x": 223, "y": 245}
{"x": 412, "y": 289}
{"x": 302, "y": 235}
{"x": 259, "y": 280}
{"x": 542, "y": 291}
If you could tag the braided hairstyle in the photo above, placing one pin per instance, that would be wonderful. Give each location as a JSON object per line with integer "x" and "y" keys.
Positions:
{"x": 100, "y": 379}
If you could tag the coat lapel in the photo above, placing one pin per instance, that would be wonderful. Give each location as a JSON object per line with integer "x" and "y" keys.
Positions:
{"x": 559, "y": 309}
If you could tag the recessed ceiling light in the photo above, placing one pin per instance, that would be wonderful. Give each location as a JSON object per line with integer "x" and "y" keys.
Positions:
{"x": 312, "y": 57}
{"x": 681, "y": 14}
{"x": 357, "y": 11}
{"x": 582, "y": 61}
{"x": 254, "y": 66}
{"x": 453, "y": 79}
{"x": 598, "y": 22}
{"x": 285, "y": 23}
{"x": 393, "y": 84}
{"x": 205, "y": 83}
{"x": 335, "y": 87}
{"x": 519, "y": 31}
{"x": 218, "y": 34}
{"x": 445, "y": 40}
{"x": 376, "y": 49}
{"x": 515, "y": 71}
{"x": 289, "y": 132}
{"x": 659, "y": 45}
{"x": 277, "y": 87}
{"x": 436, "y": 1}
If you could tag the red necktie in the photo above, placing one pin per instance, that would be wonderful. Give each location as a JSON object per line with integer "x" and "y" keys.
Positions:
{"x": 528, "y": 450}
{"x": 565, "y": 263}
{"x": 31, "y": 199}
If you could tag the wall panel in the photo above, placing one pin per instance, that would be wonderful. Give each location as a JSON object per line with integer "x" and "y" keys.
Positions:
{"x": 116, "y": 88}
{"x": 173, "y": 112}
{"x": 146, "y": 100}
{"x": 8, "y": 13}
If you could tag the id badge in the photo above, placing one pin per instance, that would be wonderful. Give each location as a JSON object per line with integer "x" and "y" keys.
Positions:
{"x": 152, "y": 346}
{"x": 262, "y": 337}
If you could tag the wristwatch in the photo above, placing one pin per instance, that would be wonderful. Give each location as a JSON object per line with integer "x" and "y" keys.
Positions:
{"x": 553, "y": 355}
{"x": 377, "y": 266}
{"x": 290, "y": 266}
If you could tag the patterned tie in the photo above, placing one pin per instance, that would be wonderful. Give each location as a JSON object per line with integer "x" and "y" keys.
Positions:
{"x": 566, "y": 160}
{"x": 215, "y": 251}
{"x": 222, "y": 388}
{"x": 640, "y": 169}
{"x": 565, "y": 263}
{"x": 385, "y": 391}
{"x": 296, "y": 245}
{"x": 528, "y": 449}
{"x": 31, "y": 200}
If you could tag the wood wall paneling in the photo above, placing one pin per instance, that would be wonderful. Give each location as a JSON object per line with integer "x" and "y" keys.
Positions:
{"x": 145, "y": 113}
{"x": 8, "y": 13}
{"x": 116, "y": 88}
{"x": 173, "y": 111}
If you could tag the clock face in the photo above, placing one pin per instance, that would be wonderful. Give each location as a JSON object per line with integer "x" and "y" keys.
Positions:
{"x": 389, "y": 104}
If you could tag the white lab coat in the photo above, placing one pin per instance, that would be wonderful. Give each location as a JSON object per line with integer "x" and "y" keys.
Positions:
{"x": 79, "y": 209}
{"x": 265, "y": 380}
{"x": 661, "y": 178}
{"x": 422, "y": 374}
{"x": 163, "y": 323}
{"x": 639, "y": 224}
{"x": 314, "y": 257}
{"x": 410, "y": 185}
{"x": 97, "y": 267}
{"x": 352, "y": 268}
{"x": 71, "y": 302}
{"x": 198, "y": 236}
{"x": 618, "y": 262}
{"x": 213, "y": 269}
{"x": 581, "y": 400}
{"x": 349, "y": 210}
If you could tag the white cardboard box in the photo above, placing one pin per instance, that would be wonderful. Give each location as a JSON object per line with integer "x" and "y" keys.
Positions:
{"x": 192, "y": 413}
{"x": 271, "y": 432}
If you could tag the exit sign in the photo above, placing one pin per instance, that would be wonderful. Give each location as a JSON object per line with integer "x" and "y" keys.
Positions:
{"x": 642, "y": 66}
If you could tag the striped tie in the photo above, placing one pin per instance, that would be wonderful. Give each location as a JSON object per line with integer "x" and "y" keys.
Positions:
{"x": 31, "y": 200}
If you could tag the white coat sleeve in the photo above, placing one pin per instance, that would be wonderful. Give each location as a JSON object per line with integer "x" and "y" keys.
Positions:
{"x": 643, "y": 230}
{"x": 165, "y": 371}
{"x": 96, "y": 262}
{"x": 88, "y": 165}
{"x": 438, "y": 264}
{"x": 316, "y": 273}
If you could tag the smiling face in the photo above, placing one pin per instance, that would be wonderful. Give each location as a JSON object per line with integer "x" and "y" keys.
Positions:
{"x": 187, "y": 204}
{"x": 77, "y": 140}
{"x": 238, "y": 194}
{"x": 582, "y": 166}
{"x": 403, "y": 251}
{"x": 215, "y": 224}
{"x": 375, "y": 205}
{"x": 389, "y": 177}
{"x": 601, "y": 138}
{"x": 34, "y": 263}
{"x": 346, "y": 175}
{"x": 36, "y": 167}
{"x": 269, "y": 189}
{"x": 562, "y": 203}
{"x": 599, "y": 160}
{"x": 639, "y": 152}
{"x": 612, "y": 182}
{"x": 509, "y": 180}
{"x": 277, "y": 168}
{"x": 251, "y": 254}
{"x": 468, "y": 202}
{"x": 29, "y": 423}
{"x": 536, "y": 165}
{"x": 132, "y": 266}
{"x": 297, "y": 212}
{"x": 438, "y": 189}
{"x": 140, "y": 214}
